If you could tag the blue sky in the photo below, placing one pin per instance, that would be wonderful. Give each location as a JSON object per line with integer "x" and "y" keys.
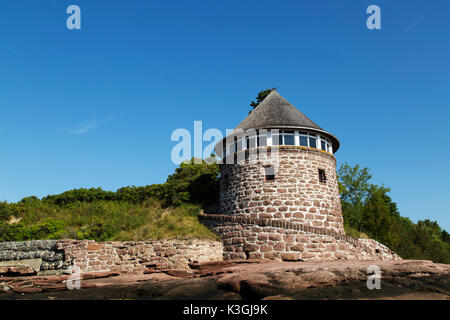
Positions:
{"x": 96, "y": 107}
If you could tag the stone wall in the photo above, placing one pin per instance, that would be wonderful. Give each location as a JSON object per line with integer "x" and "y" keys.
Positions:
{"x": 245, "y": 237}
{"x": 293, "y": 217}
{"x": 132, "y": 257}
{"x": 46, "y": 251}
{"x": 296, "y": 193}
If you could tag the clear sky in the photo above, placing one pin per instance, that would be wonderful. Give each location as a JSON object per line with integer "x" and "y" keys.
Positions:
{"x": 96, "y": 107}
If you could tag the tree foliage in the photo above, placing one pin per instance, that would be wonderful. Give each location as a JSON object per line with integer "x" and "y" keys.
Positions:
{"x": 368, "y": 209}
{"x": 170, "y": 210}
{"x": 128, "y": 213}
{"x": 260, "y": 97}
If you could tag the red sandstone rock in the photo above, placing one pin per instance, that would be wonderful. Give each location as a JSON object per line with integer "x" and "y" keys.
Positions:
{"x": 18, "y": 270}
{"x": 93, "y": 247}
{"x": 178, "y": 273}
{"x": 26, "y": 290}
{"x": 290, "y": 256}
{"x": 97, "y": 275}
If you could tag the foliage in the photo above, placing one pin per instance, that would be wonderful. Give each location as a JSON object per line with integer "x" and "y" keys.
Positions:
{"x": 153, "y": 211}
{"x": 194, "y": 183}
{"x": 6, "y": 212}
{"x": 47, "y": 229}
{"x": 170, "y": 210}
{"x": 368, "y": 208}
{"x": 260, "y": 97}
{"x": 106, "y": 220}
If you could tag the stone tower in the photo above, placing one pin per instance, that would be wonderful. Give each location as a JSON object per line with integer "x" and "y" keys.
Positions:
{"x": 279, "y": 196}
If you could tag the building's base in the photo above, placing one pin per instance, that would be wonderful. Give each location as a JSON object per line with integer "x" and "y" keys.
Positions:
{"x": 248, "y": 238}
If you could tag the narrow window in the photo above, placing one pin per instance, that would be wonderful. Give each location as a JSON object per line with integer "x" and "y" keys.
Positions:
{"x": 269, "y": 173}
{"x": 304, "y": 141}
{"x": 322, "y": 177}
{"x": 323, "y": 144}
{"x": 262, "y": 138}
{"x": 312, "y": 142}
{"x": 262, "y": 141}
{"x": 289, "y": 138}
{"x": 277, "y": 139}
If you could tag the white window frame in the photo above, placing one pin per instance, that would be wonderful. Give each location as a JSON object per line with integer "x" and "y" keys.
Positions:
{"x": 297, "y": 134}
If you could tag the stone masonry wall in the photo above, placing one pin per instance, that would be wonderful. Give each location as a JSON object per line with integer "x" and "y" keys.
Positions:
{"x": 51, "y": 258}
{"x": 132, "y": 257}
{"x": 294, "y": 217}
{"x": 258, "y": 238}
{"x": 296, "y": 193}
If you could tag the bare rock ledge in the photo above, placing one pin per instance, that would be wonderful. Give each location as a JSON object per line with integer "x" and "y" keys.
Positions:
{"x": 246, "y": 279}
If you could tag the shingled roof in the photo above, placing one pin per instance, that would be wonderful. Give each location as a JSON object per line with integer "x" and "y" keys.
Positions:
{"x": 275, "y": 112}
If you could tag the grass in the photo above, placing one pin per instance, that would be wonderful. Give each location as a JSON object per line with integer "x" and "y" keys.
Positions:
{"x": 177, "y": 223}
{"x": 105, "y": 220}
{"x": 352, "y": 232}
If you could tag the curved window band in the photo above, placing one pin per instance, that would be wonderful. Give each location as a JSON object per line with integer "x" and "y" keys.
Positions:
{"x": 280, "y": 138}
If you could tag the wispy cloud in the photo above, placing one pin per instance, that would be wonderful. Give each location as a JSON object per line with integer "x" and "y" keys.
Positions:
{"x": 414, "y": 24}
{"x": 87, "y": 126}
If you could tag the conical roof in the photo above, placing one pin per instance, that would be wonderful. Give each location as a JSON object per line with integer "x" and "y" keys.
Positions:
{"x": 275, "y": 111}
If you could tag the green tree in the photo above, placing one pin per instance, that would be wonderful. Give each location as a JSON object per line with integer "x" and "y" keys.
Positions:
{"x": 369, "y": 209}
{"x": 5, "y": 211}
{"x": 354, "y": 189}
{"x": 378, "y": 219}
{"x": 261, "y": 96}
{"x": 354, "y": 183}
{"x": 196, "y": 183}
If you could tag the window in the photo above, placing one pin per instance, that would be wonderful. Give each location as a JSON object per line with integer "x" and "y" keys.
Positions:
{"x": 288, "y": 138}
{"x": 312, "y": 142}
{"x": 262, "y": 139}
{"x": 269, "y": 173}
{"x": 322, "y": 177}
{"x": 277, "y": 139}
{"x": 304, "y": 141}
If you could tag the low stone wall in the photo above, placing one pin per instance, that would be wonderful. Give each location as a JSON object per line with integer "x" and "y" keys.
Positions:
{"x": 51, "y": 258}
{"x": 245, "y": 237}
{"x": 132, "y": 257}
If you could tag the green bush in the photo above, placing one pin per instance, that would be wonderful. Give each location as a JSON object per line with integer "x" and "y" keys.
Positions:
{"x": 368, "y": 208}
{"x": 5, "y": 211}
{"x": 47, "y": 229}
{"x": 130, "y": 213}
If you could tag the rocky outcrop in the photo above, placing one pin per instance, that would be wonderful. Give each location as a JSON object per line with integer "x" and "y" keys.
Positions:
{"x": 248, "y": 279}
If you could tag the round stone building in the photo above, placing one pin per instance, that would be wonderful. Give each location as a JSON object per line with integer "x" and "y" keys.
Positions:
{"x": 279, "y": 196}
